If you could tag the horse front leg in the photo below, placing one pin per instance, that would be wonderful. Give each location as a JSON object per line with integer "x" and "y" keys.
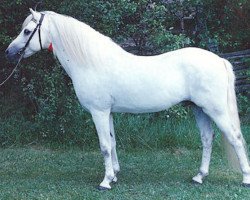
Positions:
{"x": 102, "y": 124}
{"x": 115, "y": 162}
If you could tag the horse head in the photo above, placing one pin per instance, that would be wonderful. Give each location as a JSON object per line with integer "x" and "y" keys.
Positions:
{"x": 32, "y": 38}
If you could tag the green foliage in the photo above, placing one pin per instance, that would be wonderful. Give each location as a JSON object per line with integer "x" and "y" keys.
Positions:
{"x": 243, "y": 97}
{"x": 227, "y": 22}
{"x": 244, "y": 107}
{"x": 40, "y": 99}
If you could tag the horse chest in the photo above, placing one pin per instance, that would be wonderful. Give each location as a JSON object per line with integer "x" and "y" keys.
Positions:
{"x": 91, "y": 92}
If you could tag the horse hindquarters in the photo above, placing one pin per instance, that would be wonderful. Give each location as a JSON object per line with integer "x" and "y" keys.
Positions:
{"x": 224, "y": 113}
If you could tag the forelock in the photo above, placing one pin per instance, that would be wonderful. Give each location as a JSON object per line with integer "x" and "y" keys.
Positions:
{"x": 26, "y": 21}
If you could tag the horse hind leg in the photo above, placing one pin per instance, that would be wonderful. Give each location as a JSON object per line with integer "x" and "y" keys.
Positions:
{"x": 205, "y": 127}
{"x": 235, "y": 138}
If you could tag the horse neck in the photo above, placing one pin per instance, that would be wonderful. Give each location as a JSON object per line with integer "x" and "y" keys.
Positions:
{"x": 79, "y": 47}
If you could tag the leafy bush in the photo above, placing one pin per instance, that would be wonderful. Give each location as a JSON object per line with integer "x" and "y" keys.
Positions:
{"x": 45, "y": 106}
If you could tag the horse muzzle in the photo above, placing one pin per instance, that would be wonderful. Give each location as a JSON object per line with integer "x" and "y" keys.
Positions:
{"x": 13, "y": 54}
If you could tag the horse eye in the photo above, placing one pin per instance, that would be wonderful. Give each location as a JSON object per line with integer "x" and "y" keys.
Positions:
{"x": 27, "y": 32}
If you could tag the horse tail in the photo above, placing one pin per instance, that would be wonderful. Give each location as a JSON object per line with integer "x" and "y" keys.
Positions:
{"x": 233, "y": 114}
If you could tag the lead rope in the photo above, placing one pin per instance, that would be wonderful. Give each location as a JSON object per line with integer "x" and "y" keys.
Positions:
{"x": 19, "y": 60}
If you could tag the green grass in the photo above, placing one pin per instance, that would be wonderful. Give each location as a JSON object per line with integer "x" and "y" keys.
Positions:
{"x": 158, "y": 157}
{"x": 40, "y": 173}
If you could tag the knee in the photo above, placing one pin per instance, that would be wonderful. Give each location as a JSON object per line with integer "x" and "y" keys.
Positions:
{"x": 236, "y": 140}
{"x": 106, "y": 151}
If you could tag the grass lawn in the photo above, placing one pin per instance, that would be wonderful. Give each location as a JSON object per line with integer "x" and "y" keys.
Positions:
{"x": 40, "y": 173}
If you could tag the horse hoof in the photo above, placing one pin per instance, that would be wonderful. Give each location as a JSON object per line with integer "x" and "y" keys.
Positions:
{"x": 101, "y": 188}
{"x": 246, "y": 185}
{"x": 114, "y": 180}
{"x": 195, "y": 182}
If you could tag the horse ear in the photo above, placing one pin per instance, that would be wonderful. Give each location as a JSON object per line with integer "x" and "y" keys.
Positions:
{"x": 34, "y": 13}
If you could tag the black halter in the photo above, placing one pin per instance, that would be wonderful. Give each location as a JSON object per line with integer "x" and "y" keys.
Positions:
{"x": 21, "y": 52}
{"x": 38, "y": 27}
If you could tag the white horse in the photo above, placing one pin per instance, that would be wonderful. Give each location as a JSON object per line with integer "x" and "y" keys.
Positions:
{"x": 108, "y": 79}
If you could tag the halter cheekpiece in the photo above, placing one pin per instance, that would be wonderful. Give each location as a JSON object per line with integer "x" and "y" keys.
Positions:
{"x": 38, "y": 27}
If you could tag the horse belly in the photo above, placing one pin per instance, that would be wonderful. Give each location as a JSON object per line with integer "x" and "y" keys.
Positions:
{"x": 144, "y": 107}
{"x": 150, "y": 94}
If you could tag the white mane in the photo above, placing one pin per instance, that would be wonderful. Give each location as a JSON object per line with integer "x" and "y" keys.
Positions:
{"x": 78, "y": 40}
